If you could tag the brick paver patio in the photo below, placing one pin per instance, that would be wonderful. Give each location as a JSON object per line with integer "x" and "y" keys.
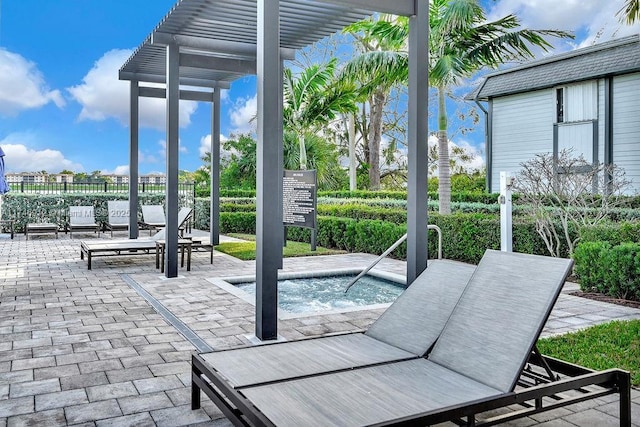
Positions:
{"x": 111, "y": 346}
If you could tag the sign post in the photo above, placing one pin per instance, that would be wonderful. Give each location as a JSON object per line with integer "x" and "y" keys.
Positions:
{"x": 299, "y": 201}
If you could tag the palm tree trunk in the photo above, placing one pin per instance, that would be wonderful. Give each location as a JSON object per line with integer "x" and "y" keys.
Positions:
{"x": 353, "y": 184}
{"x": 303, "y": 152}
{"x": 375, "y": 137}
{"x": 444, "y": 176}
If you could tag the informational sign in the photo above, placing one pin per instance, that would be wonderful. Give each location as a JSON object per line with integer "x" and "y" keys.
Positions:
{"x": 299, "y": 198}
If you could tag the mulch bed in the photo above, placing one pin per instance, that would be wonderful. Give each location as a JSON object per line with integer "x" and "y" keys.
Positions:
{"x": 605, "y": 298}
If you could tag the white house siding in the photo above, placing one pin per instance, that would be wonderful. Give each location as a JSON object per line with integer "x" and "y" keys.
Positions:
{"x": 522, "y": 128}
{"x": 626, "y": 126}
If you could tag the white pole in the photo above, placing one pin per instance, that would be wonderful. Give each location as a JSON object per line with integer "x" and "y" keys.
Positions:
{"x": 506, "y": 226}
{"x": 352, "y": 153}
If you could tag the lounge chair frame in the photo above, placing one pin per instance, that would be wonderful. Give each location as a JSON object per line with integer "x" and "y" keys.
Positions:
{"x": 533, "y": 382}
{"x": 89, "y": 224}
{"x": 141, "y": 246}
{"x": 116, "y": 221}
{"x": 153, "y": 218}
{"x": 536, "y": 393}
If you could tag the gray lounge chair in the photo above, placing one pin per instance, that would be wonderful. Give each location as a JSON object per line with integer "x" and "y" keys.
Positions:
{"x": 118, "y": 216}
{"x": 407, "y": 329}
{"x": 474, "y": 367}
{"x": 82, "y": 218}
{"x": 91, "y": 249}
{"x": 152, "y": 217}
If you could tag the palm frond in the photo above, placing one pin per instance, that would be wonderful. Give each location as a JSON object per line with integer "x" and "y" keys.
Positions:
{"x": 630, "y": 12}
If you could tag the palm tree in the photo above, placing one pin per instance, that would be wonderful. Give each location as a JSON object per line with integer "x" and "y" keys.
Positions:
{"x": 312, "y": 99}
{"x": 630, "y": 12}
{"x": 461, "y": 42}
{"x": 381, "y": 66}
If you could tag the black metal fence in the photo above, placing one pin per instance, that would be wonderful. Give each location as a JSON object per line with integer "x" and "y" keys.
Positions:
{"x": 94, "y": 187}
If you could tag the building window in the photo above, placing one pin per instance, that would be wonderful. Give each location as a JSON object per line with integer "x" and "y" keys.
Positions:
{"x": 559, "y": 105}
{"x": 577, "y": 119}
{"x": 577, "y": 102}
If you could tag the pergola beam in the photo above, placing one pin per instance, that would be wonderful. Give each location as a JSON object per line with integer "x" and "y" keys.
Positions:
{"x": 185, "y": 95}
{"x": 269, "y": 229}
{"x": 224, "y": 47}
{"x": 417, "y": 137}
{"x": 184, "y": 81}
{"x": 172, "y": 154}
{"x": 395, "y": 7}
{"x": 232, "y": 65}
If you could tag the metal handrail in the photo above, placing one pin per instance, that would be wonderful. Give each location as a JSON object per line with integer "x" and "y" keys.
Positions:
{"x": 391, "y": 249}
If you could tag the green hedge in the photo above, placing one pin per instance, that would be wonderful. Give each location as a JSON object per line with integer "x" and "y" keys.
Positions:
{"x": 608, "y": 269}
{"x": 465, "y": 237}
{"x": 458, "y": 196}
{"x": 614, "y": 233}
{"x": 384, "y": 209}
{"x": 28, "y": 208}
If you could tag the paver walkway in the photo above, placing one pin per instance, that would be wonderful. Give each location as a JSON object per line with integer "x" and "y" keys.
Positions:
{"x": 109, "y": 347}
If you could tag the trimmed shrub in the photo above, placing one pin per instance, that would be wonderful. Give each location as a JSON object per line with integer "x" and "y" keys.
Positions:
{"x": 24, "y": 208}
{"x": 611, "y": 270}
{"x": 614, "y": 233}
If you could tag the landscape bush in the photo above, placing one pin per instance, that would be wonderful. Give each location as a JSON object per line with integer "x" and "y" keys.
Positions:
{"x": 613, "y": 270}
{"x": 24, "y": 208}
{"x": 613, "y": 233}
{"x": 465, "y": 236}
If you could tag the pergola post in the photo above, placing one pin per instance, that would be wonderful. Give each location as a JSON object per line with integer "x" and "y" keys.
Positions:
{"x": 134, "y": 120}
{"x": 268, "y": 224}
{"x": 171, "y": 197}
{"x": 417, "y": 141}
{"x": 214, "y": 221}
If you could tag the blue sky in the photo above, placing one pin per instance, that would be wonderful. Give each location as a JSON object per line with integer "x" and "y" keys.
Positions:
{"x": 63, "y": 107}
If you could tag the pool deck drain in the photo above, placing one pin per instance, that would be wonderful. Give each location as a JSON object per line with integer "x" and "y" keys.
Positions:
{"x": 187, "y": 332}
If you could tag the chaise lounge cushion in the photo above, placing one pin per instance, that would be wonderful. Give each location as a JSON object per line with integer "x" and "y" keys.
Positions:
{"x": 408, "y": 328}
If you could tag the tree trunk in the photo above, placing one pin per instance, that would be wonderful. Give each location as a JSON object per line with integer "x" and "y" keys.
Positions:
{"x": 375, "y": 137}
{"x": 303, "y": 152}
{"x": 444, "y": 176}
{"x": 352, "y": 153}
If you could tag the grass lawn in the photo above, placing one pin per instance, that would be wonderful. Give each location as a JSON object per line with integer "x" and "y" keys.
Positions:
{"x": 247, "y": 250}
{"x": 611, "y": 345}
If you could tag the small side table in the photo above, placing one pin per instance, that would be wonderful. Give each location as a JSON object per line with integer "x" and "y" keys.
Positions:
{"x": 41, "y": 228}
{"x": 183, "y": 245}
{"x": 8, "y": 223}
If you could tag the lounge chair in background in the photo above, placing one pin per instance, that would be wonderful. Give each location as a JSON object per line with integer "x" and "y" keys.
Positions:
{"x": 482, "y": 360}
{"x": 82, "y": 218}
{"x": 152, "y": 217}
{"x": 106, "y": 247}
{"x": 118, "y": 216}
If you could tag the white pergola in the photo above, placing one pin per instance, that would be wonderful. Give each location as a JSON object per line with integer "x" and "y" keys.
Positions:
{"x": 201, "y": 46}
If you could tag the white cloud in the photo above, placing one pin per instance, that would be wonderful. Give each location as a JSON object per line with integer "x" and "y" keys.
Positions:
{"x": 477, "y": 163}
{"x": 22, "y": 86}
{"x": 147, "y": 158}
{"x": 591, "y": 20}
{"x": 119, "y": 170}
{"x": 102, "y": 96}
{"x": 20, "y": 158}
{"x": 163, "y": 148}
{"x": 205, "y": 144}
{"x": 243, "y": 113}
